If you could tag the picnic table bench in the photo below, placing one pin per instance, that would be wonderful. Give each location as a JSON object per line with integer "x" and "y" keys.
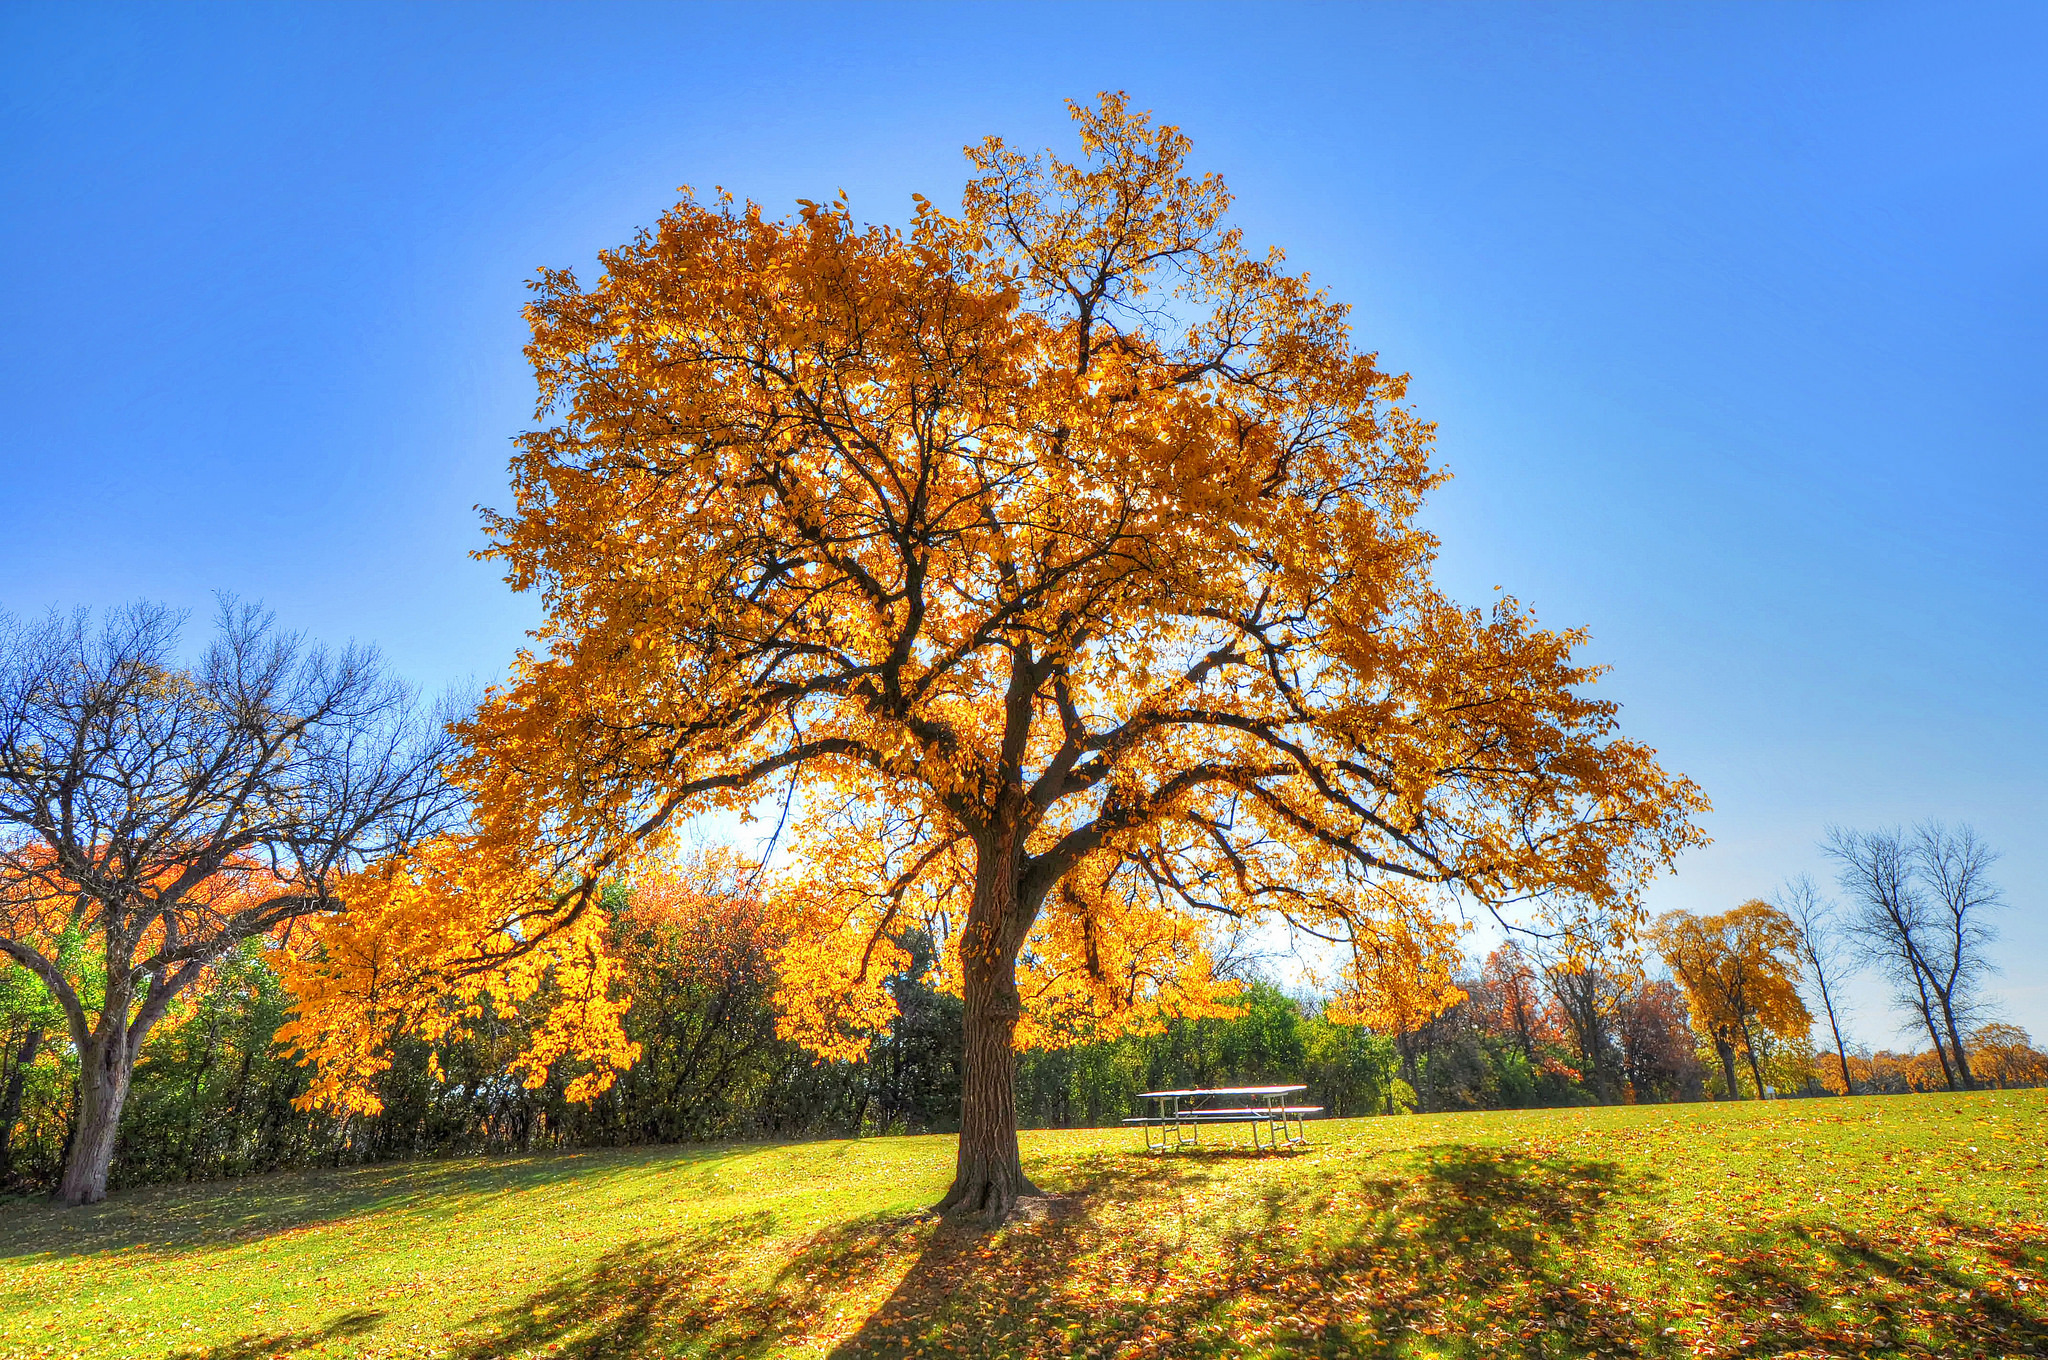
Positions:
{"x": 1178, "y": 1116}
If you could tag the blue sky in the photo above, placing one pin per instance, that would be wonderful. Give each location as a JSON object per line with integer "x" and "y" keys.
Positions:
{"x": 1734, "y": 320}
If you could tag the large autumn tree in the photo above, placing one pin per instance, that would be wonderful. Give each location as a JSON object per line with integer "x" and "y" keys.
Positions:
{"x": 1056, "y": 560}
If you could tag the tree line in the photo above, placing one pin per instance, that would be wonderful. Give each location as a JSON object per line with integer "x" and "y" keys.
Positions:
{"x": 1918, "y": 910}
{"x": 192, "y": 800}
{"x": 215, "y": 1092}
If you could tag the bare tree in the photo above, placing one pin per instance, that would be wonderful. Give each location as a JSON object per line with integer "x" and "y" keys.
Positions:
{"x": 1953, "y": 866}
{"x": 1893, "y": 926}
{"x": 165, "y": 814}
{"x": 1820, "y": 955}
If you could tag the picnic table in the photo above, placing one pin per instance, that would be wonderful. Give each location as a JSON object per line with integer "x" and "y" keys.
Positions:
{"x": 1179, "y": 1115}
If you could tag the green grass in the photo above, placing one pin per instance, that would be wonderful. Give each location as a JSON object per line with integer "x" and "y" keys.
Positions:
{"x": 1878, "y": 1226}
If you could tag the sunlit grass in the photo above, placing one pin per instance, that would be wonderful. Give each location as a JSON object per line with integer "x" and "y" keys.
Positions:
{"x": 1880, "y": 1226}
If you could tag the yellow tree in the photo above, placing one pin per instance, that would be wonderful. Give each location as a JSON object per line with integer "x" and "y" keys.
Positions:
{"x": 1740, "y": 974}
{"x": 1058, "y": 558}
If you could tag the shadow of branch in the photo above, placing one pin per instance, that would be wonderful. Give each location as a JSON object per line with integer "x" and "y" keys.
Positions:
{"x": 352, "y": 1323}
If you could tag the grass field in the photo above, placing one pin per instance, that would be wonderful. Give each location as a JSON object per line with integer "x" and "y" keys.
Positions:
{"x": 1913, "y": 1225}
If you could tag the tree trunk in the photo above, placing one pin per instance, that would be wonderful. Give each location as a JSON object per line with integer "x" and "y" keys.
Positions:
{"x": 1727, "y": 1052}
{"x": 10, "y": 1104}
{"x": 1948, "y": 1072}
{"x": 1955, "y": 1042}
{"x": 104, "y": 1071}
{"x": 988, "y": 1174}
{"x": 1841, "y": 1053}
{"x": 1749, "y": 1051}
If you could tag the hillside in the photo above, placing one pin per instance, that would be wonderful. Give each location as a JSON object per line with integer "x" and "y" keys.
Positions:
{"x": 1878, "y": 1226}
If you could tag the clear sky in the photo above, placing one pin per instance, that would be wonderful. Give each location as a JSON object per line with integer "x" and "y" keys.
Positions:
{"x": 1734, "y": 320}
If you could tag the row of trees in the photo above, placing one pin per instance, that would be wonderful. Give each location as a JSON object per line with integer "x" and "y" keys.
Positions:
{"x": 1919, "y": 913}
{"x": 216, "y": 1093}
{"x": 188, "y": 819}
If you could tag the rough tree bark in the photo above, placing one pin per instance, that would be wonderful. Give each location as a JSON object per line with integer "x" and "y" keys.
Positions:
{"x": 104, "y": 1073}
{"x": 988, "y": 1175}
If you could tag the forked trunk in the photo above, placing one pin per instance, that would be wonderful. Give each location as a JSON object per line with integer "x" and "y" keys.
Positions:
{"x": 1948, "y": 1071}
{"x": 1955, "y": 1044}
{"x": 103, "y": 1076}
{"x": 988, "y": 1175}
{"x": 1756, "y": 1070}
{"x": 1727, "y": 1052}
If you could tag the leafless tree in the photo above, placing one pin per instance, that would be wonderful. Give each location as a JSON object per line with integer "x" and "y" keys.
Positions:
{"x": 1953, "y": 865}
{"x": 1820, "y": 955}
{"x": 163, "y": 814}
{"x": 1922, "y": 906}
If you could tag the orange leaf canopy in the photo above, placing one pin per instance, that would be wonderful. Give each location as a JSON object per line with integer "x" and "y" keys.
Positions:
{"x": 1056, "y": 559}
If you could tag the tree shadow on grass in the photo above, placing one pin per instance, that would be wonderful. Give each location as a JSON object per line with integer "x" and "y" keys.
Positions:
{"x": 1822, "y": 1288}
{"x": 725, "y": 1290}
{"x": 1462, "y": 1251}
{"x": 1453, "y": 1251}
{"x": 352, "y": 1323}
{"x": 1461, "y": 1258}
{"x": 1132, "y": 1258}
{"x": 232, "y": 1212}
{"x": 730, "y": 1290}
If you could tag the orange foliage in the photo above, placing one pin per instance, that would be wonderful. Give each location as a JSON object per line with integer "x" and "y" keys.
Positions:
{"x": 700, "y": 918}
{"x": 1739, "y": 971}
{"x": 2004, "y": 1055}
{"x": 40, "y": 906}
{"x": 384, "y": 968}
